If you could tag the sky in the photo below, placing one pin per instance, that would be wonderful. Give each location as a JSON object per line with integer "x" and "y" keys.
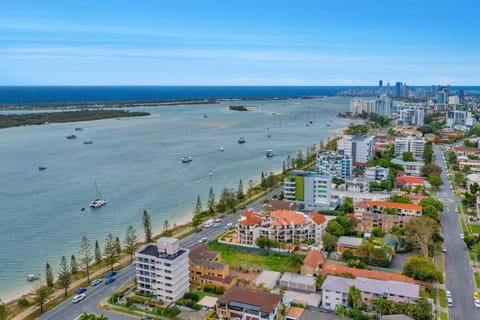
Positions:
{"x": 239, "y": 42}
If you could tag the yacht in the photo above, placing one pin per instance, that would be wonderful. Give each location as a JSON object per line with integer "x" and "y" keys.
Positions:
{"x": 241, "y": 140}
{"x": 78, "y": 129}
{"x": 41, "y": 168}
{"x": 98, "y": 202}
{"x": 72, "y": 136}
{"x": 186, "y": 159}
{"x": 88, "y": 142}
{"x": 269, "y": 153}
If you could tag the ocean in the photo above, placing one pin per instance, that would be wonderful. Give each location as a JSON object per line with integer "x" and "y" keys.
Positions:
{"x": 136, "y": 165}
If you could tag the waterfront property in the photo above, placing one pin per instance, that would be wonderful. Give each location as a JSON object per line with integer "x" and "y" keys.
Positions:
{"x": 206, "y": 269}
{"x": 281, "y": 225}
{"x": 162, "y": 270}
{"x": 359, "y": 148}
{"x": 335, "y": 291}
{"x": 334, "y": 164}
{"x": 241, "y": 303}
{"x": 310, "y": 190}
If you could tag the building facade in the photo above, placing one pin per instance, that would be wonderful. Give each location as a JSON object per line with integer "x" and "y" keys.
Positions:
{"x": 376, "y": 174}
{"x": 334, "y": 164}
{"x": 460, "y": 120}
{"x": 359, "y": 148}
{"x": 357, "y": 185}
{"x": 410, "y": 115}
{"x": 384, "y": 106}
{"x": 394, "y": 208}
{"x": 410, "y": 144}
{"x": 310, "y": 190}
{"x": 162, "y": 270}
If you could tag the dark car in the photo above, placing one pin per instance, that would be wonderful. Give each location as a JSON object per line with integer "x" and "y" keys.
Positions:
{"x": 145, "y": 318}
{"x": 109, "y": 280}
{"x": 111, "y": 274}
{"x": 81, "y": 290}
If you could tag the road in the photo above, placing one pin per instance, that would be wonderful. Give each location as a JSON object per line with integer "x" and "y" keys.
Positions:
{"x": 457, "y": 266}
{"x": 69, "y": 310}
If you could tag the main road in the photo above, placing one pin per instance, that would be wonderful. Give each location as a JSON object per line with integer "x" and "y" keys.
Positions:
{"x": 457, "y": 266}
{"x": 68, "y": 310}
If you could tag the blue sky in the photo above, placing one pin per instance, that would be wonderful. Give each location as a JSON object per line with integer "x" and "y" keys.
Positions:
{"x": 230, "y": 42}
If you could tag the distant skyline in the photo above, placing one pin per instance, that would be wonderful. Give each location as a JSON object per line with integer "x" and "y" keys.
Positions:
{"x": 343, "y": 42}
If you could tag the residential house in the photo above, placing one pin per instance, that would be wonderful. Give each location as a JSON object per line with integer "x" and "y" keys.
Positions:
{"x": 350, "y": 243}
{"x": 408, "y": 182}
{"x": 241, "y": 303}
{"x": 295, "y": 281}
{"x": 312, "y": 262}
{"x": 205, "y": 268}
{"x": 267, "y": 279}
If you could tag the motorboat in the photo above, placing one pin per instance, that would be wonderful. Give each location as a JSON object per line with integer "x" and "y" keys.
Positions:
{"x": 241, "y": 140}
{"x": 222, "y": 149}
{"x": 269, "y": 153}
{"x": 72, "y": 136}
{"x": 33, "y": 277}
{"x": 78, "y": 129}
{"x": 41, "y": 168}
{"x": 186, "y": 159}
{"x": 88, "y": 142}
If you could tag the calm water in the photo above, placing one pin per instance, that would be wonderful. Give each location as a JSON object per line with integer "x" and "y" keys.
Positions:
{"x": 136, "y": 164}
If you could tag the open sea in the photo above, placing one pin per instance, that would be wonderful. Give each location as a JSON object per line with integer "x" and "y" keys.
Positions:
{"x": 136, "y": 165}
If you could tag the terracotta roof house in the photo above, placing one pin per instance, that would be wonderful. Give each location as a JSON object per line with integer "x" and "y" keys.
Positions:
{"x": 338, "y": 269}
{"x": 403, "y": 209}
{"x": 238, "y": 302}
{"x": 294, "y": 313}
{"x": 312, "y": 262}
{"x": 408, "y": 182}
{"x": 466, "y": 151}
{"x": 350, "y": 243}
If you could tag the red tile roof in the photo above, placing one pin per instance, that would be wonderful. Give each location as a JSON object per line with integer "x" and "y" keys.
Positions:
{"x": 281, "y": 217}
{"x": 388, "y": 204}
{"x": 318, "y": 218}
{"x": 333, "y": 268}
{"x": 249, "y": 218}
{"x": 313, "y": 259}
{"x": 265, "y": 300}
{"x": 410, "y": 180}
{"x": 294, "y": 312}
{"x": 466, "y": 149}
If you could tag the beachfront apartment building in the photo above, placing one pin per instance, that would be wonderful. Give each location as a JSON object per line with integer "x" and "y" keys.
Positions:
{"x": 334, "y": 164}
{"x": 335, "y": 291}
{"x": 310, "y": 190}
{"x": 246, "y": 304}
{"x": 282, "y": 225}
{"x": 410, "y": 144}
{"x": 162, "y": 270}
{"x": 358, "y": 106}
{"x": 360, "y": 148}
{"x": 384, "y": 106}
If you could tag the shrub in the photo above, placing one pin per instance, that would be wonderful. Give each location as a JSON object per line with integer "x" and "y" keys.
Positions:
{"x": 23, "y": 302}
{"x": 170, "y": 312}
{"x": 192, "y": 296}
{"x": 209, "y": 288}
{"x": 219, "y": 290}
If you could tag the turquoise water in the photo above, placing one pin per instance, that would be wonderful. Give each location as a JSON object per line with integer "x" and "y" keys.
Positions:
{"x": 136, "y": 164}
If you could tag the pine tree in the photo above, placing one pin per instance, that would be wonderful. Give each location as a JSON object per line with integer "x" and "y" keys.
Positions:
{"x": 98, "y": 253}
{"x": 198, "y": 207}
{"x": 42, "y": 293}
{"x": 73, "y": 264}
{"x": 147, "y": 226}
{"x": 131, "y": 240}
{"x": 49, "y": 275}
{"x": 284, "y": 167}
{"x": 262, "y": 180}
{"x": 165, "y": 225}
{"x": 4, "y": 310}
{"x": 118, "y": 246}
{"x": 64, "y": 275}
{"x": 211, "y": 201}
{"x": 240, "y": 194}
{"x": 86, "y": 249}
{"x": 110, "y": 250}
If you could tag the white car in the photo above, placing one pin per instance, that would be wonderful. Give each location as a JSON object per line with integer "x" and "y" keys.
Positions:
{"x": 216, "y": 225}
{"x": 477, "y": 303}
{"x": 450, "y": 302}
{"x": 462, "y": 236}
{"x": 79, "y": 297}
{"x": 204, "y": 239}
{"x": 96, "y": 282}
{"x": 448, "y": 294}
{"x": 228, "y": 225}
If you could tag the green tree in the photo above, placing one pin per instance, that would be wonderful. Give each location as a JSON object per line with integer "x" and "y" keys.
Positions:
{"x": 73, "y": 264}
{"x": 165, "y": 225}
{"x": 422, "y": 269}
{"x": 419, "y": 232}
{"x": 431, "y": 212}
{"x": 198, "y": 207}
{"x": 41, "y": 293}
{"x": 383, "y": 306}
{"x": 3, "y": 310}
{"x": 147, "y": 226}
{"x": 347, "y": 255}
{"x": 86, "y": 250}
{"x": 110, "y": 250}
{"x": 377, "y": 232}
{"x": 400, "y": 198}
{"x": 130, "y": 241}
{"x": 431, "y": 202}
{"x": 118, "y": 245}
{"x": 335, "y": 228}
{"x": 408, "y": 156}
{"x": 329, "y": 241}
{"x": 98, "y": 253}
{"x": 354, "y": 298}
{"x": 240, "y": 194}
{"x": 64, "y": 275}
{"x": 428, "y": 153}
{"x": 211, "y": 201}
{"x": 435, "y": 181}
{"x": 430, "y": 170}
{"x": 263, "y": 243}
{"x": 347, "y": 205}
{"x": 48, "y": 276}
{"x": 295, "y": 262}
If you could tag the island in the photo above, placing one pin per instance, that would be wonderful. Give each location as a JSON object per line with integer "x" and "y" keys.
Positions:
{"x": 17, "y": 120}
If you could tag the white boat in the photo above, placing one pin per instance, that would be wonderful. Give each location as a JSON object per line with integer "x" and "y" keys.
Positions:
{"x": 241, "y": 140}
{"x": 269, "y": 153}
{"x": 186, "y": 159}
{"x": 98, "y": 202}
{"x": 210, "y": 174}
{"x": 33, "y": 277}
{"x": 222, "y": 148}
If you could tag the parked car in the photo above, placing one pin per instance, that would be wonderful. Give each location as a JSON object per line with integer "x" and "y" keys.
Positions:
{"x": 81, "y": 290}
{"x": 448, "y": 294}
{"x": 450, "y": 302}
{"x": 145, "y": 318}
{"x": 109, "y": 280}
{"x": 477, "y": 303}
{"x": 204, "y": 239}
{"x": 78, "y": 298}
{"x": 111, "y": 274}
{"x": 462, "y": 236}
{"x": 96, "y": 281}
{"x": 444, "y": 249}
{"x": 218, "y": 220}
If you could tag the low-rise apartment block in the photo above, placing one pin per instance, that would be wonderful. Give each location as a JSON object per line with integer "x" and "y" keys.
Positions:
{"x": 335, "y": 291}
{"x": 466, "y": 151}
{"x": 410, "y": 144}
{"x": 380, "y": 207}
{"x": 357, "y": 185}
{"x": 162, "y": 270}
{"x": 411, "y": 168}
{"x": 241, "y": 303}
{"x": 376, "y": 174}
{"x": 384, "y": 221}
{"x": 408, "y": 182}
{"x": 334, "y": 164}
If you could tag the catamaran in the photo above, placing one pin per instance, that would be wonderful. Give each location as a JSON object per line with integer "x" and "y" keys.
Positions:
{"x": 98, "y": 202}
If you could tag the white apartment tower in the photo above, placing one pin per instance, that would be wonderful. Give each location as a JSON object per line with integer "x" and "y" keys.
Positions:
{"x": 162, "y": 270}
{"x": 359, "y": 148}
{"x": 410, "y": 144}
{"x": 334, "y": 164}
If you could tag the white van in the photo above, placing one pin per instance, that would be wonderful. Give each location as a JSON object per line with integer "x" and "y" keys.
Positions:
{"x": 209, "y": 223}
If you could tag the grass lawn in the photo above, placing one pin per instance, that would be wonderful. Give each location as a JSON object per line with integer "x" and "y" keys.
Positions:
{"x": 443, "y": 298}
{"x": 443, "y": 316}
{"x": 202, "y": 294}
{"x": 246, "y": 259}
{"x": 477, "y": 279}
{"x": 464, "y": 227}
{"x": 439, "y": 262}
{"x": 475, "y": 228}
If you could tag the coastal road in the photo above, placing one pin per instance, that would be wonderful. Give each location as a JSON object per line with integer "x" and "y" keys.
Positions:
{"x": 459, "y": 278}
{"x": 69, "y": 310}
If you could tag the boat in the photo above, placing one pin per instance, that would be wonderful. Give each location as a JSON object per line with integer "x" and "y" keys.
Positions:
{"x": 222, "y": 148}
{"x": 269, "y": 153}
{"x": 205, "y": 116}
{"x": 328, "y": 124}
{"x": 241, "y": 140}
{"x": 41, "y": 168}
{"x": 98, "y": 202}
{"x": 78, "y": 129}
{"x": 186, "y": 159}
{"x": 72, "y": 136}
{"x": 269, "y": 136}
{"x": 210, "y": 174}
{"x": 88, "y": 142}
{"x": 33, "y": 277}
